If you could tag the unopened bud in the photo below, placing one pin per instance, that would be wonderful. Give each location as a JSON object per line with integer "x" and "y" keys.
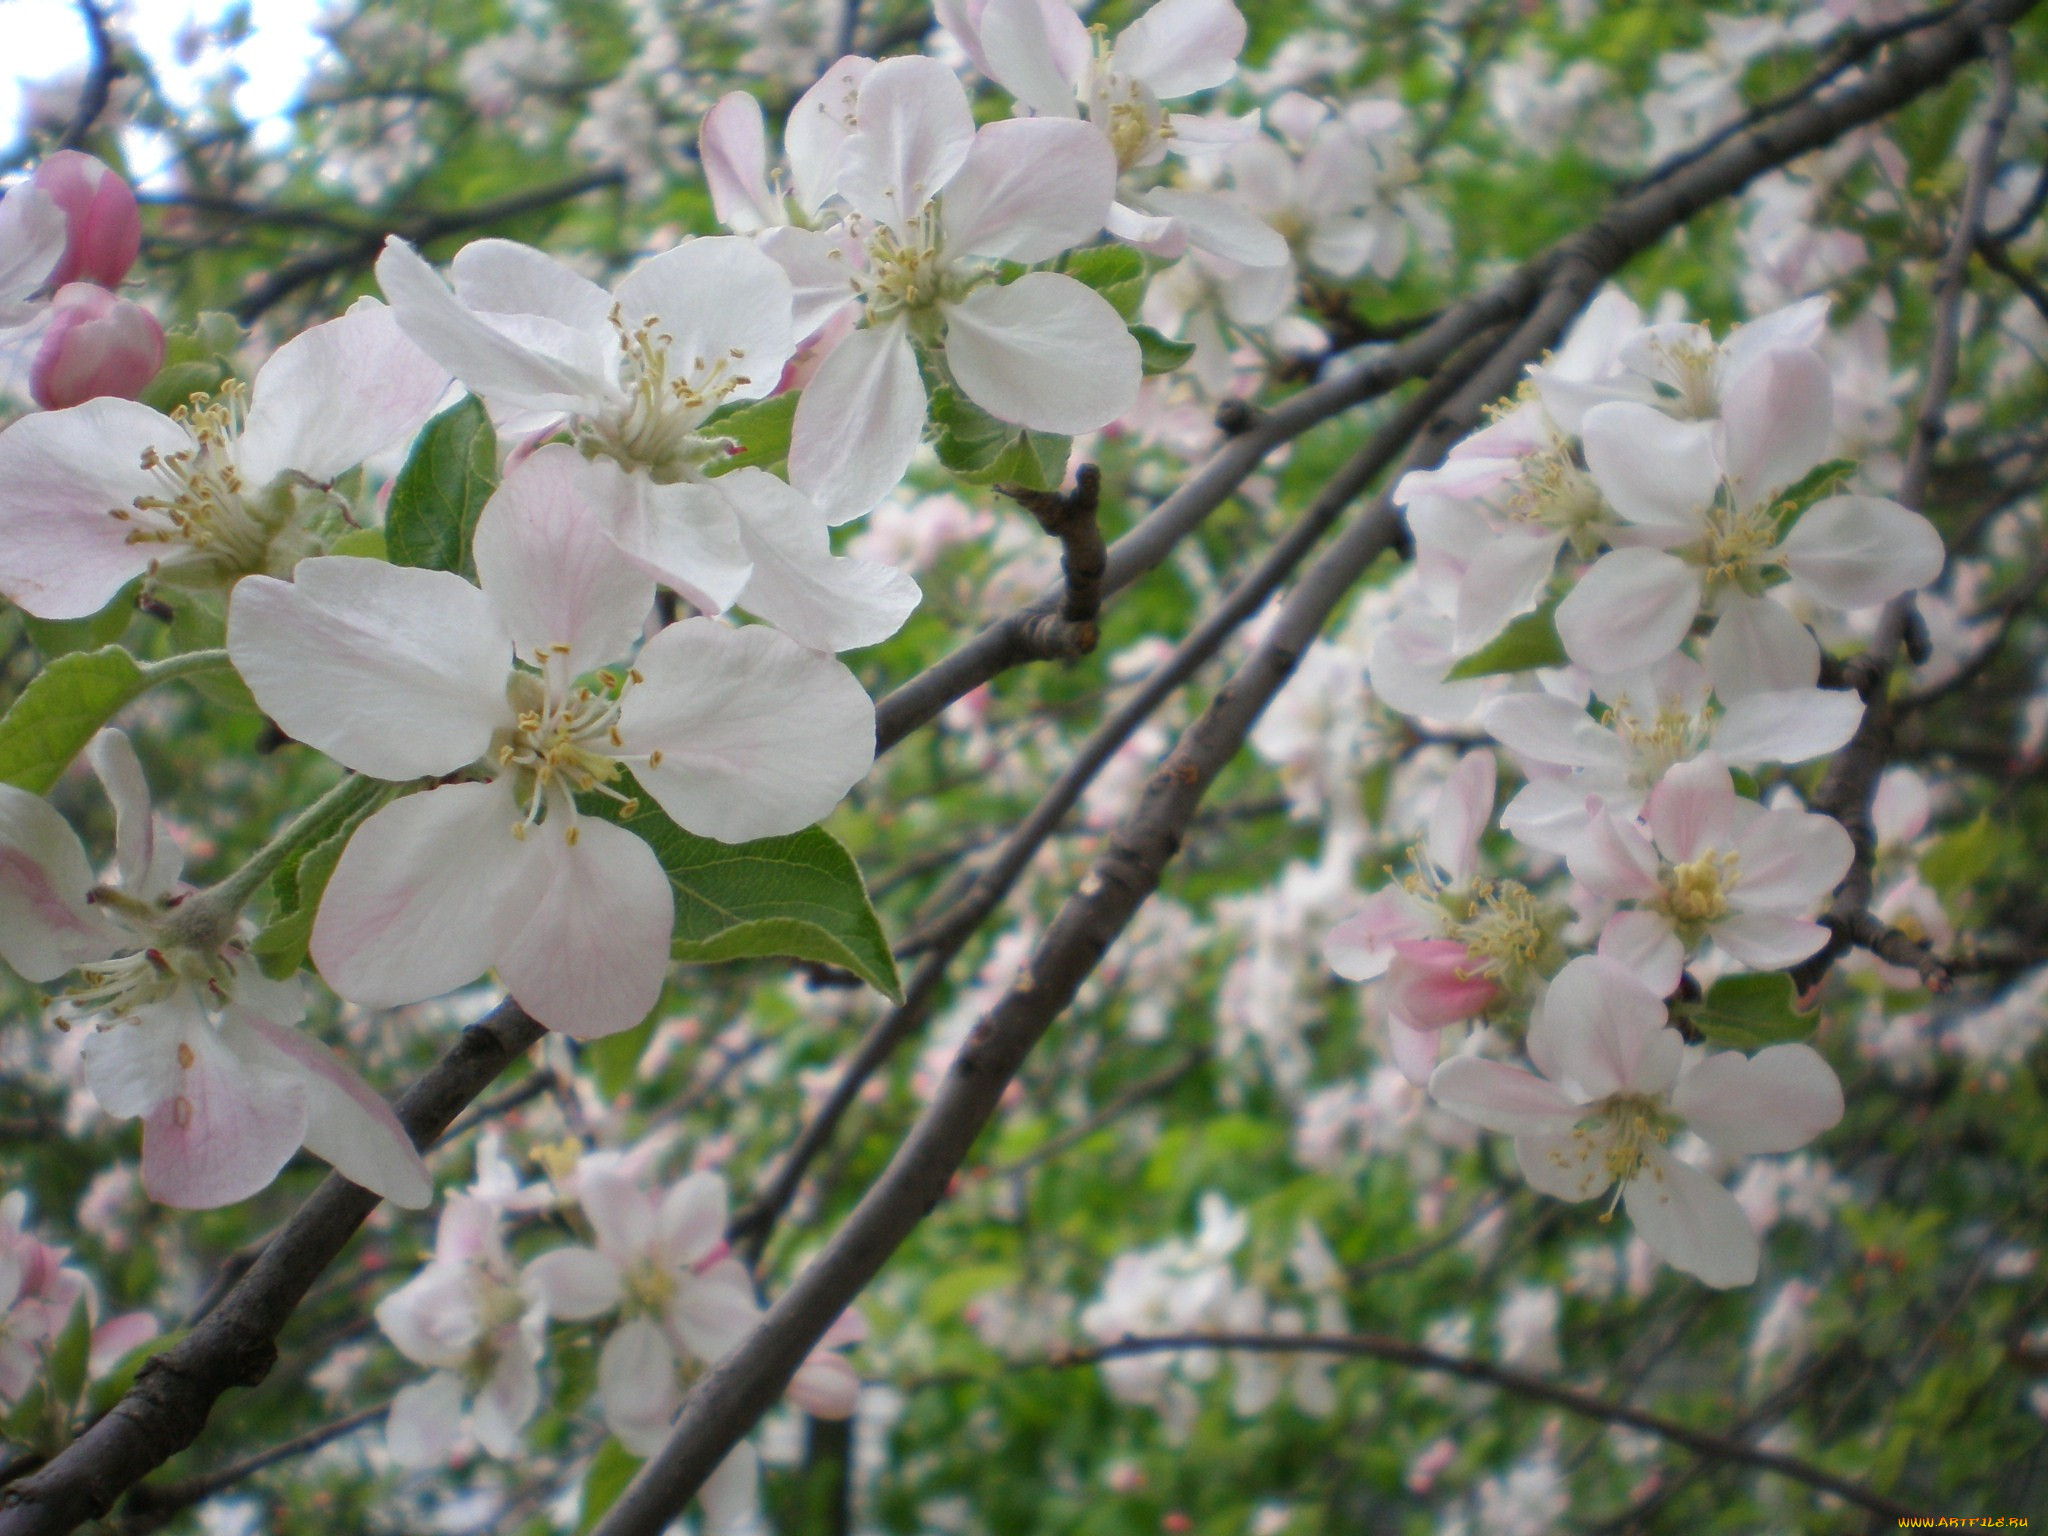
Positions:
{"x": 97, "y": 344}
{"x": 103, "y": 227}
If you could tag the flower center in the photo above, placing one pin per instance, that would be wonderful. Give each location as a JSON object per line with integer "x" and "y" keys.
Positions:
{"x": 1554, "y": 493}
{"x": 1654, "y": 742}
{"x": 650, "y": 1287}
{"x": 656, "y": 428}
{"x": 1696, "y": 892}
{"x": 1633, "y": 1123}
{"x": 1691, "y": 365}
{"x": 565, "y": 739}
{"x": 1737, "y": 545}
{"x": 907, "y": 275}
{"x": 1128, "y": 114}
{"x": 201, "y": 510}
{"x": 1504, "y": 929}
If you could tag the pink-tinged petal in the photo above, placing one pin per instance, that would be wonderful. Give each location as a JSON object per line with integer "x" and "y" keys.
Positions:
{"x": 1768, "y": 941}
{"x": 1463, "y": 808}
{"x": 332, "y": 396}
{"x": 1551, "y": 814}
{"x": 726, "y": 307}
{"x": 731, "y": 1495}
{"x": 915, "y": 132}
{"x": 1789, "y": 860}
{"x": 1796, "y": 325}
{"x": 825, "y": 601}
{"x": 1630, "y": 610}
{"x": 1775, "y": 1101}
{"x": 732, "y": 144}
{"x": 1506, "y": 578}
{"x": 1045, "y": 352}
{"x": 1179, "y": 47}
{"x": 1691, "y": 1221}
{"x": 1034, "y": 49}
{"x": 573, "y": 1283}
{"x": 757, "y": 735}
{"x": 1413, "y": 1051}
{"x": 147, "y": 864}
{"x": 1546, "y": 729}
{"x": 552, "y": 575}
{"x": 713, "y": 1311}
{"x": 226, "y": 1131}
{"x": 858, "y": 423}
{"x": 1786, "y": 725}
{"x": 394, "y": 672}
{"x": 118, "y": 1338}
{"x": 819, "y": 125}
{"x": 1655, "y": 471}
{"x": 347, "y": 1126}
{"x": 690, "y": 1222}
{"x": 509, "y": 1397}
{"x": 548, "y": 368}
{"x": 680, "y": 538}
{"x": 1220, "y": 227}
{"x": 1692, "y": 809}
{"x": 1600, "y": 1031}
{"x": 94, "y": 344}
{"x": 1858, "y": 551}
{"x": 32, "y": 237}
{"x": 1565, "y": 1166}
{"x": 131, "y": 1064}
{"x": 1409, "y": 660}
{"x": 1432, "y": 983}
{"x": 1360, "y": 947}
{"x": 621, "y": 1213}
{"x": 1757, "y": 647}
{"x": 1643, "y": 944}
{"x": 636, "y": 1385}
{"x": 103, "y": 224}
{"x": 1613, "y": 859}
{"x": 1777, "y": 416}
{"x": 592, "y": 955}
{"x": 1502, "y": 1098}
{"x": 820, "y": 272}
{"x": 62, "y": 473}
{"x": 826, "y": 1386}
{"x": 425, "y": 1422}
{"x": 1900, "y": 808}
{"x": 46, "y": 924}
{"x": 415, "y": 907}
{"x": 1030, "y": 188}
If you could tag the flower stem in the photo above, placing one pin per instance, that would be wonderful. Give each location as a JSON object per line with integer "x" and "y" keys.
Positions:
{"x": 184, "y": 666}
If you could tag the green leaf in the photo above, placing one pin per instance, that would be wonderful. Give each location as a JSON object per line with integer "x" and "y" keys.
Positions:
{"x": 1035, "y": 460}
{"x": 611, "y": 1469}
{"x": 761, "y": 430}
{"x": 1752, "y": 1010}
{"x": 60, "y": 637}
{"x": 1961, "y": 858}
{"x": 363, "y": 543}
{"x": 613, "y": 1059}
{"x": 60, "y": 711}
{"x": 800, "y": 897}
{"x": 1530, "y": 641}
{"x": 1817, "y": 484}
{"x": 280, "y": 949}
{"x": 68, "y": 1357}
{"x": 198, "y": 359}
{"x": 1115, "y": 271}
{"x": 1161, "y": 354}
{"x": 441, "y": 492}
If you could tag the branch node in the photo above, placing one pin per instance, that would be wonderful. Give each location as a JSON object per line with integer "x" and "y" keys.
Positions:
{"x": 1070, "y": 517}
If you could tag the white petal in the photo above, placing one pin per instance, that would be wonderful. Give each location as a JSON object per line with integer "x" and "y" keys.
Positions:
{"x": 1778, "y": 415}
{"x": 723, "y": 302}
{"x": 1767, "y": 941}
{"x": 61, "y": 473}
{"x": 682, "y": 540}
{"x": 815, "y": 135}
{"x": 758, "y": 736}
{"x": 1630, "y": 610}
{"x": 1857, "y": 551}
{"x": 332, "y": 396}
{"x": 732, "y": 145}
{"x": 858, "y": 423}
{"x": 1692, "y": 1221}
{"x": 731, "y": 1495}
{"x": 347, "y": 1124}
{"x": 1786, "y": 725}
{"x": 33, "y": 231}
{"x": 1789, "y": 860}
{"x": 552, "y": 575}
{"x": 1220, "y": 227}
{"x": 915, "y": 132}
{"x": 1501, "y": 1098}
{"x": 46, "y": 924}
{"x": 509, "y": 1397}
{"x": 503, "y": 277}
{"x": 1643, "y": 944}
{"x": 820, "y": 274}
{"x": 1757, "y": 647}
{"x": 146, "y": 868}
{"x": 1655, "y": 471}
{"x": 713, "y": 1312}
{"x": 636, "y": 1384}
{"x": 1046, "y": 352}
{"x": 414, "y": 907}
{"x": 1598, "y": 1031}
{"x": 690, "y": 1221}
{"x": 226, "y": 1131}
{"x": 573, "y": 1283}
{"x": 1775, "y": 1101}
{"x": 1030, "y": 188}
{"x": 1612, "y": 858}
{"x": 1505, "y": 579}
{"x": 1462, "y": 811}
{"x": 395, "y": 672}
{"x": 425, "y": 1422}
{"x": 1564, "y": 1166}
{"x": 825, "y": 601}
{"x": 1182, "y": 46}
{"x": 131, "y": 1064}
{"x": 1035, "y": 50}
{"x": 1547, "y": 729}
{"x": 592, "y": 955}
{"x": 1692, "y": 809}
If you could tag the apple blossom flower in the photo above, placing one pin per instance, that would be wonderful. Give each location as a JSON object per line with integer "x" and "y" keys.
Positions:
{"x": 97, "y": 495}
{"x": 186, "y": 1032}
{"x": 38, "y": 1294}
{"x": 402, "y": 674}
{"x": 102, "y": 224}
{"x": 732, "y": 143}
{"x": 1711, "y": 866}
{"x": 1041, "y": 53}
{"x": 32, "y": 236}
{"x": 1650, "y": 720}
{"x": 95, "y": 344}
{"x": 1616, "y": 1084}
{"x": 480, "y": 1322}
{"x": 937, "y": 202}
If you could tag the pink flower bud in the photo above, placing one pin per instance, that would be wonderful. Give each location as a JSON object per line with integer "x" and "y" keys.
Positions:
{"x": 103, "y": 227}
{"x": 96, "y": 344}
{"x": 1435, "y": 982}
